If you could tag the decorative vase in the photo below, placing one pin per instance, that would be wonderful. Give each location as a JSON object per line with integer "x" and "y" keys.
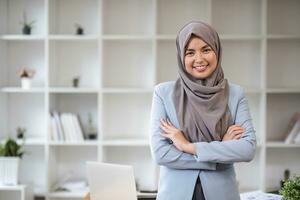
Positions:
{"x": 9, "y": 170}
{"x": 26, "y": 83}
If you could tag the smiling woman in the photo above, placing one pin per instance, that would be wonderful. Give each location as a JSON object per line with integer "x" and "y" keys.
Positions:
{"x": 200, "y": 123}
{"x": 200, "y": 60}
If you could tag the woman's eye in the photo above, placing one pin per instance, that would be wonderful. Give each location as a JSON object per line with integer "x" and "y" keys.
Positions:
{"x": 189, "y": 53}
{"x": 206, "y": 50}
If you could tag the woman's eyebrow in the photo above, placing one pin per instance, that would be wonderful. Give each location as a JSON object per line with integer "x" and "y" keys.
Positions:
{"x": 190, "y": 50}
{"x": 205, "y": 46}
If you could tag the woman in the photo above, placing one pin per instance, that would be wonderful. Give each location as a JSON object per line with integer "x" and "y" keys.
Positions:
{"x": 200, "y": 124}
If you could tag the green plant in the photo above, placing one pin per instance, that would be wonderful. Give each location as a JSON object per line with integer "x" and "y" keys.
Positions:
{"x": 25, "y": 23}
{"x": 21, "y": 132}
{"x": 26, "y": 73}
{"x": 291, "y": 189}
{"x": 10, "y": 148}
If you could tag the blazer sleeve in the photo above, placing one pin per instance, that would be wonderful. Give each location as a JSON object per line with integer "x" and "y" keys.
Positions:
{"x": 163, "y": 152}
{"x": 241, "y": 150}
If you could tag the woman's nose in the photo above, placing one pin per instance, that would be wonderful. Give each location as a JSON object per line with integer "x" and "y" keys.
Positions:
{"x": 199, "y": 58}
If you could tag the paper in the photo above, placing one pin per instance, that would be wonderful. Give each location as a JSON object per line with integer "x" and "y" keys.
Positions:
{"x": 259, "y": 195}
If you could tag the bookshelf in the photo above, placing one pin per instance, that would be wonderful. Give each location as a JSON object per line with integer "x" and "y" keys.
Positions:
{"x": 129, "y": 47}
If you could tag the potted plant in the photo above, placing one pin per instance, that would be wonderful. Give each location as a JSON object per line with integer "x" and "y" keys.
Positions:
{"x": 79, "y": 29}
{"x": 291, "y": 189}
{"x": 27, "y": 26}
{"x": 26, "y": 76}
{"x": 21, "y": 132}
{"x": 10, "y": 154}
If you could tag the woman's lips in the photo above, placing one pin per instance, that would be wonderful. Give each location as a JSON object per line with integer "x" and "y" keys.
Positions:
{"x": 200, "y": 68}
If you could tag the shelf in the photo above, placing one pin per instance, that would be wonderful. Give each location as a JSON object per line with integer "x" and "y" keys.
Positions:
{"x": 283, "y": 90}
{"x": 283, "y": 37}
{"x": 126, "y": 115}
{"x": 31, "y": 142}
{"x": 222, "y": 37}
{"x": 77, "y": 195}
{"x": 173, "y": 14}
{"x": 23, "y": 37}
{"x": 129, "y": 17}
{"x": 248, "y": 21}
{"x": 277, "y": 161}
{"x": 84, "y": 63}
{"x": 282, "y": 70}
{"x": 249, "y": 90}
{"x": 286, "y": 13}
{"x": 128, "y": 64}
{"x": 167, "y": 67}
{"x": 73, "y": 90}
{"x": 241, "y": 37}
{"x": 166, "y": 37}
{"x": 63, "y": 16}
{"x": 12, "y": 188}
{"x": 20, "y": 90}
{"x": 127, "y": 90}
{"x": 62, "y": 143}
{"x": 281, "y": 145}
{"x": 73, "y": 37}
{"x": 125, "y": 142}
{"x": 280, "y": 109}
{"x": 127, "y": 37}
{"x": 27, "y": 111}
{"x": 65, "y": 90}
{"x": 23, "y": 54}
{"x": 69, "y": 163}
{"x": 248, "y": 65}
{"x": 13, "y": 14}
{"x": 81, "y": 104}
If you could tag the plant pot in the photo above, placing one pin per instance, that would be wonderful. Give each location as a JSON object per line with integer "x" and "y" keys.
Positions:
{"x": 26, "y": 83}
{"x": 26, "y": 30}
{"x": 9, "y": 170}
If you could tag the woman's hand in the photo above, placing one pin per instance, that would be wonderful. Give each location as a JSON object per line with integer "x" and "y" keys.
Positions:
{"x": 87, "y": 197}
{"x": 177, "y": 137}
{"x": 234, "y": 132}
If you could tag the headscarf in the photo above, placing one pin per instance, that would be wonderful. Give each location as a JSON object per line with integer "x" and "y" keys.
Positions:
{"x": 201, "y": 104}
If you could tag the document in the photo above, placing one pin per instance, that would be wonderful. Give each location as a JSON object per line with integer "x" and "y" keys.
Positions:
{"x": 259, "y": 195}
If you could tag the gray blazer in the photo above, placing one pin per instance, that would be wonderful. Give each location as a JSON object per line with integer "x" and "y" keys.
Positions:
{"x": 213, "y": 162}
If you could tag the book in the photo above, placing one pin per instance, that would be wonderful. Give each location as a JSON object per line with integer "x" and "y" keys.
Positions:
{"x": 66, "y": 126}
{"x": 53, "y": 130}
{"x": 291, "y": 124}
{"x": 293, "y": 133}
{"x": 61, "y": 134}
{"x": 78, "y": 129}
{"x": 297, "y": 138}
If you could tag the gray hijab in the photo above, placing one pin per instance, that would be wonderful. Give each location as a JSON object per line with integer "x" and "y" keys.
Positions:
{"x": 201, "y": 104}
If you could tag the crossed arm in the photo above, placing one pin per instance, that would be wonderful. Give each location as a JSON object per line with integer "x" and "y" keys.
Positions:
{"x": 180, "y": 154}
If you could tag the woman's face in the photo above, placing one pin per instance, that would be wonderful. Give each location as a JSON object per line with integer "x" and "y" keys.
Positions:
{"x": 200, "y": 60}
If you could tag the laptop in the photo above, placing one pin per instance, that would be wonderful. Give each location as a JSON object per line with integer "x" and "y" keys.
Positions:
{"x": 111, "y": 181}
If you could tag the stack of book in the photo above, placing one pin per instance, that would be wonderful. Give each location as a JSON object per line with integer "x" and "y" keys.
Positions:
{"x": 65, "y": 127}
{"x": 293, "y": 132}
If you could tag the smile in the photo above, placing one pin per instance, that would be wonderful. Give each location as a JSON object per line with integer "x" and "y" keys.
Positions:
{"x": 200, "y": 68}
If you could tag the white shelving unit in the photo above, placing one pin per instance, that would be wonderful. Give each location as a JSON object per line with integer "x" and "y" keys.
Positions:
{"x": 16, "y": 192}
{"x": 128, "y": 47}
